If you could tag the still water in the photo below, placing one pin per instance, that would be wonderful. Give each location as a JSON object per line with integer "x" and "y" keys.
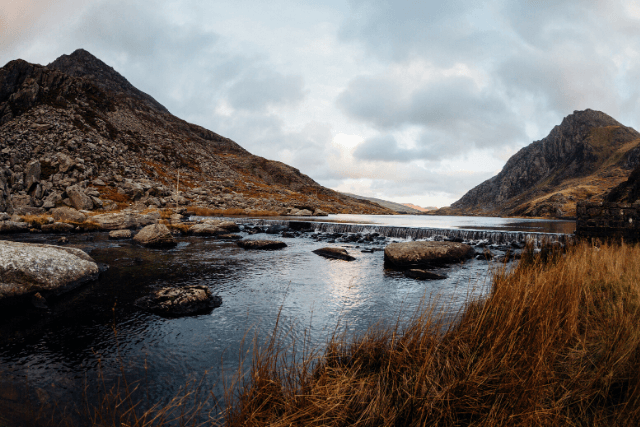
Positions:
{"x": 97, "y": 328}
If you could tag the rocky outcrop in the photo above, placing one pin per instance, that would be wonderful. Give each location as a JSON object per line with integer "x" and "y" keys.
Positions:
{"x": 213, "y": 228}
{"x": 122, "y": 220}
{"x": 334, "y": 253}
{"x": 416, "y": 255}
{"x": 180, "y": 301}
{"x": 585, "y": 156}
{"x": 26, "y": 269}
{"x": 155, "y": 236}
{"x": 261, "y": 244}
{"x": 99, "y": 143}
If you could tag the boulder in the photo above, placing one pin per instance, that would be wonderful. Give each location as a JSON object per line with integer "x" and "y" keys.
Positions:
{"x": 261, "y": 244}
{"x": 180, "y": 301}
{"x": 119, "y": 234}
{"x": 67, "y": 214}
{"x": 155, "y": 236}
{"x": 408, "y": 255}
{"x": 229, "y": 237}
{"x": 27, "y": 268}
{"x": 334, "y": 253}
{"x": 320, "y": 212}
{"x": 276, "y": 229}
{"x": 303, "y": 212}
{"x": 78, "y": 199}
{"x": 32, "y": 175}
{"x": 122, "y": 220}
{"x": 57, "y": 227}
{"x": 423, "y": 275}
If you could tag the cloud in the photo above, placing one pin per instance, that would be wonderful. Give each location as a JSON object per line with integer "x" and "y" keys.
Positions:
{"x": 259, "y": 89}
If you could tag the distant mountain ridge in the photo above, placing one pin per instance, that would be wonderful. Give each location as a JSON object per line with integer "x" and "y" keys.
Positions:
{"x": 78, "y": 128}
{"x": 584, "y": 157}
{"x": 396, "y": 207}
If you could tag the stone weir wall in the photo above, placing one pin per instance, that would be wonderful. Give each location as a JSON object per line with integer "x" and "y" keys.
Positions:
{"x": 608, "y": 221}
{"x": 422, "y": 233}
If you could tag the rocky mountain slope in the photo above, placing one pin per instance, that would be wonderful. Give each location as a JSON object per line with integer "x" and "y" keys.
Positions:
{"x": 583, "y": 158}
{"x": 78, "y": 133}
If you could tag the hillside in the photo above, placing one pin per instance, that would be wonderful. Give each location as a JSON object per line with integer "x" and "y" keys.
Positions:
{"x": 79, "y": 127}
{"x": 584, "y": 157}
{"x": 395, "y": 207}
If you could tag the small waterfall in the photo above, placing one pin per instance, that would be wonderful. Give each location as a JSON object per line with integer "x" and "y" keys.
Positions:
{"x": 414, "y": 233}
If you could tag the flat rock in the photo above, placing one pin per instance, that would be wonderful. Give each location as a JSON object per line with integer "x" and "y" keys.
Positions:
{"x": 180, "y": 301}
{"x": 7, "y": 227}
{"x": 67, "y": 214}
{"x": 119, "y": 234}
{"x": 57, "y": 227}
{"x": 261, "y": 244}
{"x": 334, "y": 253}
{"x": 206, "y": 230}
{"x": 408, "y": 255}
{"x": 423, "y": 275}
{"x": 155, "y": 236}
{"x": 28, "y": 268}
{"x": 122, "y": 220}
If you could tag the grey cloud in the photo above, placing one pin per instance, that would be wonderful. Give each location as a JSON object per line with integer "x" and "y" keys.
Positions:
{"x": 260, "y": 89}
{"x": 451, "y": 111}
{"x": 384, "y": 148}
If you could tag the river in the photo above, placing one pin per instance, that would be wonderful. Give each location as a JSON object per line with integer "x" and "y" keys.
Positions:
{"x": 97, "y": 331}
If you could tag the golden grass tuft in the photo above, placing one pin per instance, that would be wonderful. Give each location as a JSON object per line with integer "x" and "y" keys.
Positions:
{"x": 36, "y": 221}
{"x": 555, "y": 343}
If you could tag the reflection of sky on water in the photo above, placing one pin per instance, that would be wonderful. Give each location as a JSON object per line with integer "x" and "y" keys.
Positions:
{"x": 311, "y": 293}
{"x": 461, "y": 222}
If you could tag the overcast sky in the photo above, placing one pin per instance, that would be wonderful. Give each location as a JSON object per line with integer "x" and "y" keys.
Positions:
{"x": 410, "y": 101}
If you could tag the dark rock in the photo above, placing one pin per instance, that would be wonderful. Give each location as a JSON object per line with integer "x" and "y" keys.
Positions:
{"x": 38, "y": 301}
{"x": 7, "y": 227}
{"x": 261, "y": 244}
{"x": 62, "y": 240}
{"x": 423, "y": 275}
{"x": 408, "y": 255}
{"x": 229, "y": 237}
{"x": 180, "y": 301}
{"x": 276, "y": 229}
{"x": 334, "y": 253}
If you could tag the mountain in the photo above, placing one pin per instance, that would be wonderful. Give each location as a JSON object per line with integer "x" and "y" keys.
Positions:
{"x": 584, "y": 157}
{"x": 420, "y": 208}
{"x": 395, "y": 207}
{"x": 78, "y": 128}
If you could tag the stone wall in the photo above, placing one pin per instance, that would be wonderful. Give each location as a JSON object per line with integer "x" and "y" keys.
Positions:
{"x": 608, "y": 220}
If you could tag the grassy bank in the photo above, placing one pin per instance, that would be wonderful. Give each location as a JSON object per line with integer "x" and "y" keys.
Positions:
{"x": 556, "y": 343}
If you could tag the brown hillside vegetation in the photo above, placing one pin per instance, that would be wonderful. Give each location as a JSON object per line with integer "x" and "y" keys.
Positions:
{"x": 556, "y": 343}
{"x": 584, "y": 157}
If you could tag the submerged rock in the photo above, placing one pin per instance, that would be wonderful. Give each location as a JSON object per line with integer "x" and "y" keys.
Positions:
{"x": 180, "y": 301}
{"x": 407, "y": 255}
{"x": 423, "y": 275}
{"x": 27, "y": 268}
{"x": 334, "y": 253}
{"x": 155, "y": 236}
{"x": 261, "y": 244}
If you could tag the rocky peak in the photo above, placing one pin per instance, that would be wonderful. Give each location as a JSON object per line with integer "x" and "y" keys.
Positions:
{"x": 588, "y": 145}
{"x": 83, "y": 64}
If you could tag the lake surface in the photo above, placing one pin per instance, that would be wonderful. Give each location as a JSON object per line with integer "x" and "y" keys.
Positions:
{"x": 77, "y": 340}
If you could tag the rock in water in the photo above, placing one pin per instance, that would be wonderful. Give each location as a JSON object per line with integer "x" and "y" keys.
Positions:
{"x": 334, "y": 253}
{"x": 122, "y": 220}
{"x": 408, "y": 255}
{"x": 119, "y": 234}
{"x": 180, "y": 301}
{"x": 423, "y": 275}
{"x": 261, "y": 244}
{"x": 155, "y": 236}
{"x": 27, "y": 268}
{"x": 214, "y": 228}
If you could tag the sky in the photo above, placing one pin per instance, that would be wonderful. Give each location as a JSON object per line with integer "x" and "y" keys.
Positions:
{"x": 408, "y": 101}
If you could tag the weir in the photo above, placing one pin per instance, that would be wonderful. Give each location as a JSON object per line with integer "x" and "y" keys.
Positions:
{"x": 420, "y": 233}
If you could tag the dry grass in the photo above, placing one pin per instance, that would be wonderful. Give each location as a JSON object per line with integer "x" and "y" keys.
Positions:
{"x": 555, "y": 343}
{"x": 36, "y": 221}
{"x": 183, "y": 228}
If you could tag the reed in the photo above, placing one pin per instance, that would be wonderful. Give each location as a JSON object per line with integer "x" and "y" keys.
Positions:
{"x": 557, "y": 342}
